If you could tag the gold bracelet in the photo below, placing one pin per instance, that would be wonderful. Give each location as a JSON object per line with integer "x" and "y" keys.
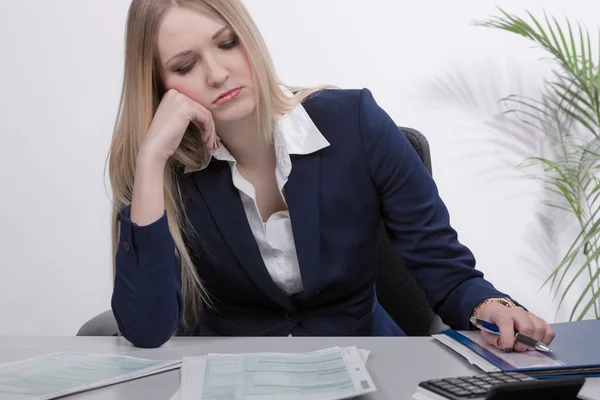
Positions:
{"x": 502, "y": 300}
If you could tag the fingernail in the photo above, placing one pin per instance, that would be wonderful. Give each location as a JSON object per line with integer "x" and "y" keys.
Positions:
{"x": 508, "y": 350}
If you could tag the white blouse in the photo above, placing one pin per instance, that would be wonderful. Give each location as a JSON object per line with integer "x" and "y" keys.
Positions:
{"x": 294, "y": 134}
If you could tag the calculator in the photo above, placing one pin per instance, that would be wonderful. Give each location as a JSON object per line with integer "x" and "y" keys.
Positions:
{"x": 502, "y": 385}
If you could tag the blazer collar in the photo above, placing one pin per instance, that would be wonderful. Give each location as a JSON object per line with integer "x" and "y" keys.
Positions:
{"x": 295, "y": 133}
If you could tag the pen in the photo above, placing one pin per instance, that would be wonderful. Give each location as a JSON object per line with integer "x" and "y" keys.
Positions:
{"x": 519, "y": 337}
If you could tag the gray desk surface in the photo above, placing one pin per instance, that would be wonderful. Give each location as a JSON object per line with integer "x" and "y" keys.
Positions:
{"x": 396, "y": 365}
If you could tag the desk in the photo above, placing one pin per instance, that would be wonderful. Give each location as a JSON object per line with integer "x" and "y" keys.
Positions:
{"x": 396, "y": 365}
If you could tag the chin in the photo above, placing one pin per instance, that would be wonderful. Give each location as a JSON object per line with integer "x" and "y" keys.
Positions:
{"x": 235, "y": 111}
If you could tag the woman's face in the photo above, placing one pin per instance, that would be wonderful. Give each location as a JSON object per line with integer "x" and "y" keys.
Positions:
{"x": 201, "y": 57}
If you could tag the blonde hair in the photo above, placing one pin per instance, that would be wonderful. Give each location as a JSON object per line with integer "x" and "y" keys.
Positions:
{"x": 140, "y": 95}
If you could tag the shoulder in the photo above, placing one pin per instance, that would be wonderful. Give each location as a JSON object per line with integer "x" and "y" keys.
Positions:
{"x": 347, "y": 110}
{"x": 334, "y": 100}
{"x": 353, "y": 105}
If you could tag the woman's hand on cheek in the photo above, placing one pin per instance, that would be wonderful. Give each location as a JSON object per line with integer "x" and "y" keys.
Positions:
{"x": 171, "y": 120}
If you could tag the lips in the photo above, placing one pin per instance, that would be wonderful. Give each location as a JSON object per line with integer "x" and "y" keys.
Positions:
{"x": 227, "y": 96}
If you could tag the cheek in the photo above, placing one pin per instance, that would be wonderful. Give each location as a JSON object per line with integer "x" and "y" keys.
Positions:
{"x": 186, "y": 86}
{"x": 243, "y": 65}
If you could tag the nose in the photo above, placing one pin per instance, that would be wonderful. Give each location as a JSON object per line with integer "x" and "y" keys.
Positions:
{"x": 216, "y": 73}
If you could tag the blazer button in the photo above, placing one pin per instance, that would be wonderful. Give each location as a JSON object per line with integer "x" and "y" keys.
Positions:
{"x": 126, "y": 246}
{"x": 290, "y": 315}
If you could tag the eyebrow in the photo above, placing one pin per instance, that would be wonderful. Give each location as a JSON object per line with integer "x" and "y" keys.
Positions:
{"x": 219, "y": 32}
{"x": 187, "y": 52}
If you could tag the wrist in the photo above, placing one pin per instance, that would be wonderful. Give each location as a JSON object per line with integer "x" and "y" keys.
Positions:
{"x": 504, "y": 301}
{"x": 149, "y": 158}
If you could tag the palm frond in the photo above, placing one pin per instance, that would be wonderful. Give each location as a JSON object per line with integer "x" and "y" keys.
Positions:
{"x": 569, "y": 107}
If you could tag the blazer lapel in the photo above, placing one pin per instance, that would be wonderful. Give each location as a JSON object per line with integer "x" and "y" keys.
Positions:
{"x": 302, "y": 193}
{"x": 223, "y": 200}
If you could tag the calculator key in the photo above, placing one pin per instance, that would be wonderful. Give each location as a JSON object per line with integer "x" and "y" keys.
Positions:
{"x": 479, "y": 391}
{"x": 447, "y": 386}
{"x": 461, "y": 392}
{"x": 454, "y": 381}
{"x": 444, "y": 385}
{"x": 510, "y": 380}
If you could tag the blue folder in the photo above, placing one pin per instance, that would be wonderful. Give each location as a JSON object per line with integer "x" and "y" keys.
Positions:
{"x": 576, "y": 347}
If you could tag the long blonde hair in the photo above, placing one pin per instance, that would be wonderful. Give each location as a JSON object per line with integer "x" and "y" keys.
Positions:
{"x": 141, "y": 93}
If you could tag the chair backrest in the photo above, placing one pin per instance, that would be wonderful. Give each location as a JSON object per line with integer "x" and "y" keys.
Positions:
{"x": 397, "y": 290}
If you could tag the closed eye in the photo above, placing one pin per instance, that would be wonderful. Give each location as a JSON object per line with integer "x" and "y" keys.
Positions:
{"x": 184, "y": 69}
{"x": 224, "y": 46}
{"x": 229, "y": 44}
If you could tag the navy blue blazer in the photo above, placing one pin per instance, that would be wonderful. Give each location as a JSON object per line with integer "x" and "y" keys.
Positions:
{"x": 337, "y": 197}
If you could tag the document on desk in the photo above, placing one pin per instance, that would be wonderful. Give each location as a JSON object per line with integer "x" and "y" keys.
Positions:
{"x": 60, "y": 374}
{"x": 328, "y": 374}
{"x": 364, "y": 356}
{"x": 514, "y": 360}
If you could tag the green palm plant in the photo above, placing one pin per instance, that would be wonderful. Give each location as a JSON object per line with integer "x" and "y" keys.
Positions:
{"x": 570, "y": 107}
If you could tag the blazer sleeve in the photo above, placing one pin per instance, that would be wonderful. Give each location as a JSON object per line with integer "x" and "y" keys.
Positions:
{"x": 418, "y": 222}
{"x": 146, "y": 300}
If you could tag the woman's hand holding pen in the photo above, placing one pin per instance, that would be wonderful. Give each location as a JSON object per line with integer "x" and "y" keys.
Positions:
{"x": 511, "y": 320}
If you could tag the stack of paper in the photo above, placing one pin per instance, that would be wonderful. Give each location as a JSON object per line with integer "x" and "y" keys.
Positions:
{"x": 60, "y": 374}
{"x": 329, "y": 374}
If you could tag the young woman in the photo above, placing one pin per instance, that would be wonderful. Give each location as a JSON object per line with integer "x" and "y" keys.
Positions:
{"x": 245, "y": 207}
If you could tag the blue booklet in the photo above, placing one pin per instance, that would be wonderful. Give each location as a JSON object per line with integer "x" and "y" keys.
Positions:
{"x": 575, "y": 352}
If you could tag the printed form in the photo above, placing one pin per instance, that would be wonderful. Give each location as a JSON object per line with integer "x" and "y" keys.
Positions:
{"x": 59, "y": 374}
{"x": 329, "y": 374}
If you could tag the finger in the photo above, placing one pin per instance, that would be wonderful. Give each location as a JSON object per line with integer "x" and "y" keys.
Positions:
{"x": 507, "y": 331}
{"x": 203, "y": 117}
{"x": 209, "y": 134}
{"x": 539, "y": 328}
{"x": 491, "y": 339}
{"x": 525, "y": 325}
{"x": 549, "y": 335}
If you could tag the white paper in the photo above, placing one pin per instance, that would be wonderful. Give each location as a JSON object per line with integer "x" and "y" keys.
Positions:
{"x": 364, "y": 356}
{"x": 467, "y": 353}
{"x": 59, "y": 374}
{"x": 328, "y": 374}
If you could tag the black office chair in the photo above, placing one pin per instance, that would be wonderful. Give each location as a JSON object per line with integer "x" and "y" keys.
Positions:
{"x": 397, "y": 290}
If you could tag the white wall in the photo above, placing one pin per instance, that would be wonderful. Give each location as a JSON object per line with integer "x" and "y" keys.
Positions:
{"x": 61, "y": 69}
